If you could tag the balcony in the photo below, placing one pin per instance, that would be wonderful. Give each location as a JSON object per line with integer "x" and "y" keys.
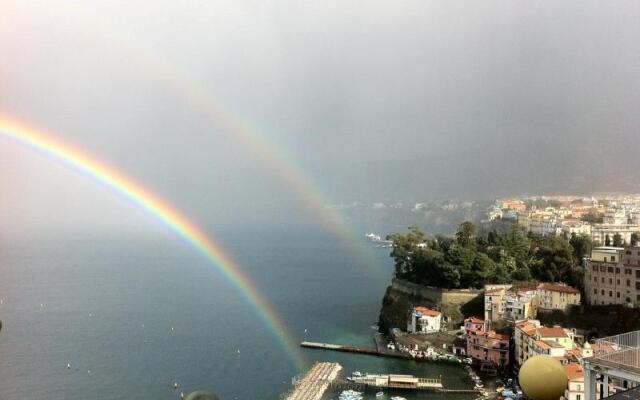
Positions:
{"x": 619, "y": 351}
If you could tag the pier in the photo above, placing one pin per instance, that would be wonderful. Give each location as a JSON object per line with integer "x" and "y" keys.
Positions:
{"x": 315, "y": 382}
{"x": 353, "y": 349}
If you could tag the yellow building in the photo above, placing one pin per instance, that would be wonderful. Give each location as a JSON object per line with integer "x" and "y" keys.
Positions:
{"x": 531, "y": 339}
{"x": 557, "y": 296}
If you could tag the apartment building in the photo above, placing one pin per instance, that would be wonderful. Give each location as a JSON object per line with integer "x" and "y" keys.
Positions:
{"x": 557, "y": 296}
{"x": 612, "y": 276}
{"x": 486, "y": 345}
{"x": 532, "y": 339}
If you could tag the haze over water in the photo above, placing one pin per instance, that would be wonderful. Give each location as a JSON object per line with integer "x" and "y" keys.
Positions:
{"x": 108, "y": 304}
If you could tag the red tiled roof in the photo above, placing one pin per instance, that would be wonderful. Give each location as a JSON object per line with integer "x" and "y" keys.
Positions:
{"x": 428, "y": 312}
{"x": 574, "y": 371}
{"x": 554, "y": 287}
{"x": 552, "y": 332}
{"x": 542, "y": 344}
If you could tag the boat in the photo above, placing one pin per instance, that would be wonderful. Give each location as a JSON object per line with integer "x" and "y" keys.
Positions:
{"x": 379, "y": 394}
{"x": 398, "y": 398}
{"x": 350, "y": 395}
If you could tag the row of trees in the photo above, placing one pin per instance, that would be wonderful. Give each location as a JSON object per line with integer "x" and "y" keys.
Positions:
{"x": 470, "y": 260}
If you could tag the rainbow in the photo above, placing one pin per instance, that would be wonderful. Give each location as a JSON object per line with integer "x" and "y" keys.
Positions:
{"x": 162, "y": 212}
{"x": 274, "y": 157}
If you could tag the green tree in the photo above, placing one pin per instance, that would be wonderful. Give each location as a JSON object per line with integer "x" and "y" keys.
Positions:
{"x": 635, "y": 238}
{"x": 466, "y": 232}
{"x": 617, "y": 240}
{"x": 582, "y": 246}
{"x": 607, "y": 241}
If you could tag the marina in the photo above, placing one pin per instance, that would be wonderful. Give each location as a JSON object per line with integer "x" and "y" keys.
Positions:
{"x": 324, "y": 376}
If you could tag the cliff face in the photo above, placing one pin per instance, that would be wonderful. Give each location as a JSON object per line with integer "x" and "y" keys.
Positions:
{"x": 402, "y": 296}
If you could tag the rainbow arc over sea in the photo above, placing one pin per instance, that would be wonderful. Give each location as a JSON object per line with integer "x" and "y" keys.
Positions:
{"x": 144, "y": 199}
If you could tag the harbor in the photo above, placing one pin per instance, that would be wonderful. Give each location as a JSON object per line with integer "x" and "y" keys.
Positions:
{"x": 324, "y": 376}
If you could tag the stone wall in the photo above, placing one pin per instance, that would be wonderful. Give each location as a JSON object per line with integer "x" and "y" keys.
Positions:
{"x": 401, "y": 296}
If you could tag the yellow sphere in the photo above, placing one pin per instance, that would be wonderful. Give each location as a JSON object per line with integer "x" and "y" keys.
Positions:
{"x": 543, "y": 378}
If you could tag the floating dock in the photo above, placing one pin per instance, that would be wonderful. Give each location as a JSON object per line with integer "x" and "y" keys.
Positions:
{"x": 315, "y": 382}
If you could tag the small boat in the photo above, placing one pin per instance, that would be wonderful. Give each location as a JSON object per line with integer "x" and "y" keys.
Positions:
{"x": 175, "y": 385}
{"x": 68, "y": 366}
{"x": 379, "y": 394}
{"x": 350, "y": 395}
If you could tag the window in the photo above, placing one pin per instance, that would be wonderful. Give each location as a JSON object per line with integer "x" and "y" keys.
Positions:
{"x": 627, "y": 271}
{"x": 617, "y": 281}
{"x": 628, "y": 252}
{"x": 610, "y": 293}
{"x": 617, "y": 270}
{"x": 638, "y": 297}
{"x": 610, "y": 281}
{"x": 613, "y": 258}
{"x": 595, "y": 279}
{"x": 610, "y": 269}
{"x": 637, "y": 285}
{"x": 595, "y": 291}
{"x": 605, "y": 259}
{"x": 602, "y": 279}
{"x": 578, "y": 396}
{"x": 638, "y": 273}
{"x": 618, "y": 294}
{"x": 628, "y": 282}
{"x": 602, "y": 292}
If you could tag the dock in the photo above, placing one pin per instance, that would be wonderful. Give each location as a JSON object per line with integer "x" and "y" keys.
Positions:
{"x": 316, "y": 382}
{"x": 354, "y": 349}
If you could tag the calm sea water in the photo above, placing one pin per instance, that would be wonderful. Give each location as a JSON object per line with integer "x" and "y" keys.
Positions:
{"x": 134, "y": 315}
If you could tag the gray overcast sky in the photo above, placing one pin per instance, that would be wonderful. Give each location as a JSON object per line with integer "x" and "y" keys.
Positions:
{"x": 374, "y": 100}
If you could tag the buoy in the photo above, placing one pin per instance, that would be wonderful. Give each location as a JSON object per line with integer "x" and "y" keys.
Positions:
{"x": 68, "y": 366}
{"x": 182, "y": 395}
{"x": 175, "y": 385}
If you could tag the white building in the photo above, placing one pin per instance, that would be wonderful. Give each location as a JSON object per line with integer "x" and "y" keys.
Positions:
{"x": 424, "y": 320}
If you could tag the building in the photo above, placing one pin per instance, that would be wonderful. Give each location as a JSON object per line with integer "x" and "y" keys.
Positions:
{"x": 557, "y": 296}
{"x": 532, "y": 339}
{"x": 473, "y": 324}
{"x": 424, "y": 320}
{"x": 575, "y": 388}
{"x": 486, "y": 345}
{"x": 494, "y": 302}
{"x": 601, "y": 232}
{"x": 504, "y": 303}
{"x": 612, "y": 276}
{"x": 575, "y": 227}
{"x": 520, "y": 305}
{"x": 614, "y": 368}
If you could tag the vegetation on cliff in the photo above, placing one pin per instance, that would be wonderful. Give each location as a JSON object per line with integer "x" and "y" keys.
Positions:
{"x": 470, "y": 260}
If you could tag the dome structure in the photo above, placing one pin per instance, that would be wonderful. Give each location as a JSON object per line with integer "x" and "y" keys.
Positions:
{"x": 201, "y": 395}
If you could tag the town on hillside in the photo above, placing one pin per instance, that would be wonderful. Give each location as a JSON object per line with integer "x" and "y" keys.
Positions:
{"x": 556, "y": 276}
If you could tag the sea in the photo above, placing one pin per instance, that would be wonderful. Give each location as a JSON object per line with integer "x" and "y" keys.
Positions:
{"x": 103, "y": 317}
